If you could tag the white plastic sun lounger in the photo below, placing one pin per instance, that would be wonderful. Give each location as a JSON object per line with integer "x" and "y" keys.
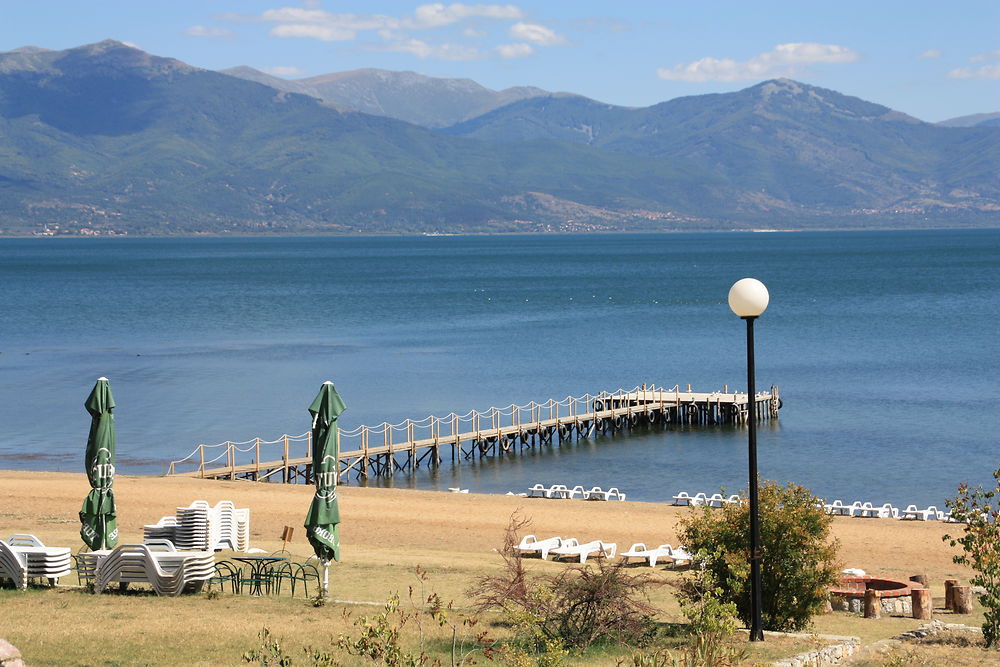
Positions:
{"x": 885, "y": 511}
{"x": 169, "y": 573}
{"x": 24, "y": 557}
{"x": 557, "y": 491}
{"x": 678, "y": 555}
{"x": 11, "y": 566}
{"x": 577, "y": 491}
{"x": 699, "y": 499}
{"x": 856, "y": 508}
{"x": 571, "y": 548}
{"x": 639, "y": 550}
{"x": 682, "y": 498}
{"x": 911, "y": 512}
{"x": 716, "y": 500}
{"x": 529, "y": 544}
{"x": 537, "y": 491}
{"x": 837, "y": 507}
{"x": 596, "y": 493}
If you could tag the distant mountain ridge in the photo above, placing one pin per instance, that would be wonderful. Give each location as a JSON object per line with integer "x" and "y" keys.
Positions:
{"x": 974, "y": 120}
{"x": 415, "y": 98}
{"x": 106, "y": 138}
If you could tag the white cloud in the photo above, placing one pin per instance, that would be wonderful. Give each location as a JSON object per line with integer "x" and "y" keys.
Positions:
{"x": 989, "y": 71}
{"x": 284, "y": 71}
{"x": 983, "y": 72}
{"x": 986, "y": 57}
{"x": 783, "y": 60}
{"x": 516, "y": 50}
{"x": 425, "y": 50}
{"x": 323, "y": 33}
{"x": 310, "y": 21}
{"x": 436, "y": 14}
{"x": 204, "y": 31}
{"x": 538, "y": 34}
{"x": 327, "y": 26}
{"x": 930, "y": 54}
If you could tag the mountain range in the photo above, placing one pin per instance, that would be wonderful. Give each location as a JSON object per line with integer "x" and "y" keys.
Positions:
{"x": 108, "y": 139}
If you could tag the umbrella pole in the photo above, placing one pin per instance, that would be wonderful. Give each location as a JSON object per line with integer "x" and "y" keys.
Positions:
{"x": 326, "y": 579}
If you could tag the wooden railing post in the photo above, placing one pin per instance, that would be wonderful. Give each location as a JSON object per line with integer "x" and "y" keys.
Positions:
{"x": 284, "y": 459}
{"x": 201, "y": 451}
{"x": 256, "y": 457}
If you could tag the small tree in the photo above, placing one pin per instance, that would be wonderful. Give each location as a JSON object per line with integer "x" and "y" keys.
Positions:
{"x": 798, "y": 558}
{"x": 979, "y": 510}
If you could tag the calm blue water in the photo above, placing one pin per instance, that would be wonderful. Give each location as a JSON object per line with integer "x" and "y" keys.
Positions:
{"x": 884, "y": 345}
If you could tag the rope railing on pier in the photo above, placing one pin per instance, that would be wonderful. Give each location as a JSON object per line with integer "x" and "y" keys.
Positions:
{"x": 429, "y": 428}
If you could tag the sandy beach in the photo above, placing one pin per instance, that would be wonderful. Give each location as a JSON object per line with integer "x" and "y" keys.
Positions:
{"x": 401, "y": 526}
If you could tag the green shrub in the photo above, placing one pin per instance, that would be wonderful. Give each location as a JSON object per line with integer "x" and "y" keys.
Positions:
{"x": 979, "y": 510}
{"x": 798, "y": 558}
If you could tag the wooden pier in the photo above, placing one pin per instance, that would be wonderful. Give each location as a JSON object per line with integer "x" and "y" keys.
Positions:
{"x": 387, "y": 449}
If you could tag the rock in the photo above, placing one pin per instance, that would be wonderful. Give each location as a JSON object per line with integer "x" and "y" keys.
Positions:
{"x": 9, "y": 655}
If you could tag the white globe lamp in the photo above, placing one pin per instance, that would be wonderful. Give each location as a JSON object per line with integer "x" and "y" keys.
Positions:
{"x": 748, "y": 297}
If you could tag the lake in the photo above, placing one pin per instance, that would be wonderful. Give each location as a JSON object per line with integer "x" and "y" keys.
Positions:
{"x": 884, "y": 346}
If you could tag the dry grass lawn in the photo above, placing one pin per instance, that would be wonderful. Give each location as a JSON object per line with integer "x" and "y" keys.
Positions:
{"x": 386, "y": 533}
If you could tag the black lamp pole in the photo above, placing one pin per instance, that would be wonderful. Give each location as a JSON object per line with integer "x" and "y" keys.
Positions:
{"x": 756, "y": 626}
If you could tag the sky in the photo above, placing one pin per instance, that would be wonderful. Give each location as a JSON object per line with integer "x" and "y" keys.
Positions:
{"x": 932, "y": 60}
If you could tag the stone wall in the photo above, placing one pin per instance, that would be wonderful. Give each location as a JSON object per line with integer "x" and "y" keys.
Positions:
{"x": 821, "y": 657}
{"x": 902, "y": 604}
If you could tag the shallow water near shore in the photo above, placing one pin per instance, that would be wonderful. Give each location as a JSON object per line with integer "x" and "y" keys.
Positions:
{"x": 883, "y": 344}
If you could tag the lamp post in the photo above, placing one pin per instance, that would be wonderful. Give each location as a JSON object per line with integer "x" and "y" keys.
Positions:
{"x": 748, "y": 298}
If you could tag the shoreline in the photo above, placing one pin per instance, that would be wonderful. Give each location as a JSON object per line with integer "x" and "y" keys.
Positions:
{"x": 401, "y": 234}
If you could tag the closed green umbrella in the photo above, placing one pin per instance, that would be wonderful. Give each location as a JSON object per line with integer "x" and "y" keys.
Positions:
{"x": 100, "y": 528}
{"x": 323, "y": 519}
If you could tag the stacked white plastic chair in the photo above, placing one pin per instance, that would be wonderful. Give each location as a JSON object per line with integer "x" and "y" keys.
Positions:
{"x": 200, "y": 526}
{"x": 168, "y": 572}
{"x": 24, "y": 557}
{"x": 11, "y": 566}
{"x": 192, "y": 530}
{"x": 242, "y": 529}
{"x": 164, "y": 529}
